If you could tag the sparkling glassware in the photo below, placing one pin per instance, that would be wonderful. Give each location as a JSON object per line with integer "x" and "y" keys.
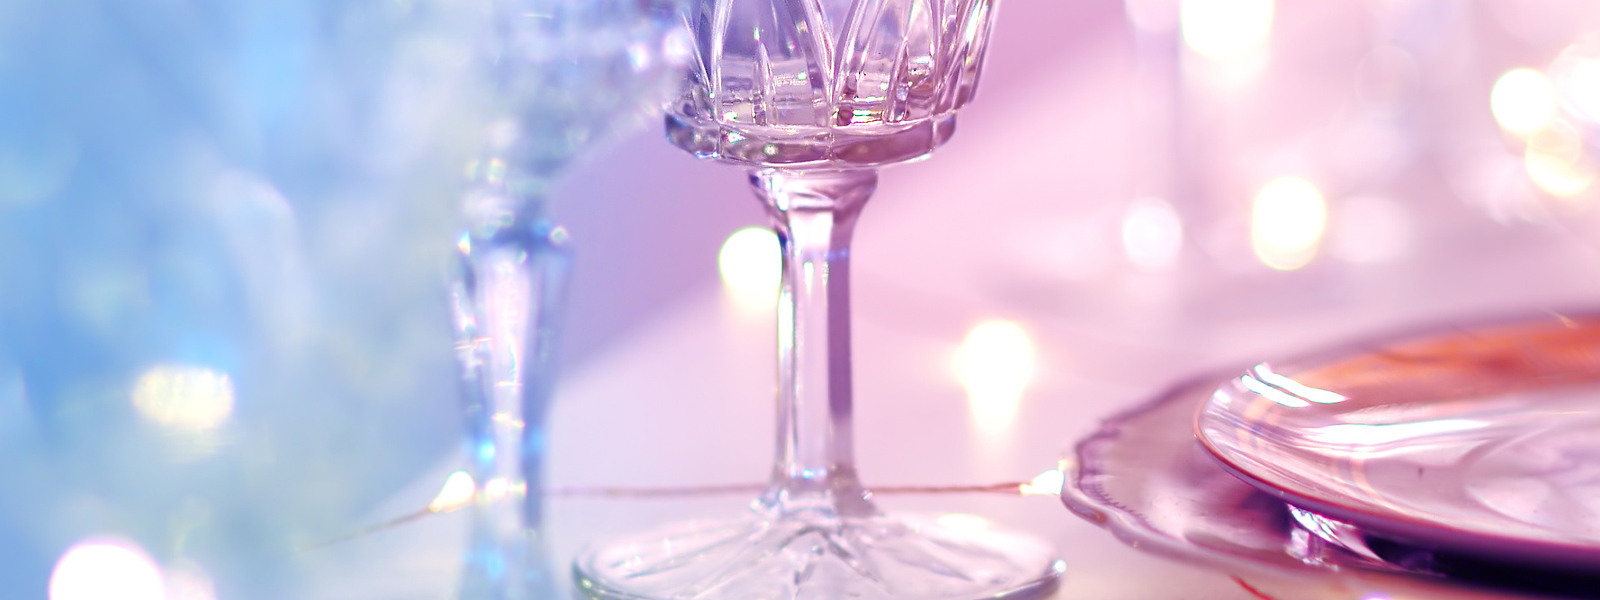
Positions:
{"x": 811, "y": 97}
{"x": 564, "y": 73}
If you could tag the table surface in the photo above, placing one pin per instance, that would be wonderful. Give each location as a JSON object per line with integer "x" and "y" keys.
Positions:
{"x": 680, "y": 393}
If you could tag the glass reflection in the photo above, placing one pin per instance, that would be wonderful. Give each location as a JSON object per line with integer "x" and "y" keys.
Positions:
{"x": 1272, "y": 393}
{"x": 1319, "y": 396}
{"x": 1375, "y": 437}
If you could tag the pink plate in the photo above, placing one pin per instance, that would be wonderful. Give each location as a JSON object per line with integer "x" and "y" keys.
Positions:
{"x": 1483, "y": 441}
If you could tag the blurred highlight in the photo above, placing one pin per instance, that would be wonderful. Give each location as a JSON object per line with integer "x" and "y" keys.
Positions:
{"x": 996, "y": 363}
{"x": 1555, "y": 162}
{"x": 106, "y": 570}
{"x": 1152, "y": 234}
{"x": 962, "y": 522}
{"x": 1048, "y": 483}
{"x": 1523, "y": 101}
{"x": 751, "y": 263}
{"x": 184, "y": 397}
{"x": 1575, "y": 77}
{"x": 1286, "y": 223}
{"x": 1222, "y": 29}
{"x": 187, "y": 581}
{"x": 457, "y": 492}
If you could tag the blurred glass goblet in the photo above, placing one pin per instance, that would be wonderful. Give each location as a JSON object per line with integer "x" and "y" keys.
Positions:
{"x": 565, "y": 73}
{"x": 813, "y": 97}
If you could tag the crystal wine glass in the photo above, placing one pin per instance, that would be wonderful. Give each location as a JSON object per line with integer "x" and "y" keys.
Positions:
{"x": 564, "y": 73}
{"x": 812, "y": 96}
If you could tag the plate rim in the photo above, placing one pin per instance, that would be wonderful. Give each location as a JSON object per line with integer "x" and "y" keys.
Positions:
{"x": 1124, "y": 524}
{"x": 1420, "y": 532}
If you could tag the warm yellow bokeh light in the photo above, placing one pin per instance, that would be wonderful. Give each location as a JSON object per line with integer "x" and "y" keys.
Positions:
{"x": 1286, "y": 223}
{"x": 1523, "y": 101}
{"x": 183, "y": 396}
{"x": 1048, "y": 483}
{"x": 457, "y": 492}
{"x": 751, "y": 263}
{"x": 1221, "y": 29}
{"x": 1557, "y": 175}
{"x": 103, "y": 570}
{"x": 995, "y": 364}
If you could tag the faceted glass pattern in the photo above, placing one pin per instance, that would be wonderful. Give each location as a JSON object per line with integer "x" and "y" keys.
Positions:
{"x": 827, "y": 83}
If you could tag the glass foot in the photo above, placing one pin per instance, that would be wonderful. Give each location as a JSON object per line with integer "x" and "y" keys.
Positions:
{"x": 821, "y": 557}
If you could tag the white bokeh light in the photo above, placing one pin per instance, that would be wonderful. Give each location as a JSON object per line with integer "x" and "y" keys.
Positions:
{"x": 1152, "y": 234}
{"x": 106, "y": 570}
{"x": 183, "y": 396}
{"x": 1523, "y": 101}
{"x": 995, "y": 364}
{"x": 457, "y": 492}
{"x": 1286, "y": 223}
{"x": 751, "y": 263}
{"x": 1575, "y": 77}
{"x": 1222, "y": 29}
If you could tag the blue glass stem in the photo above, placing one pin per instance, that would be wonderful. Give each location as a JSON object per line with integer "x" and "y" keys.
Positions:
{"x": 509, "y": 300}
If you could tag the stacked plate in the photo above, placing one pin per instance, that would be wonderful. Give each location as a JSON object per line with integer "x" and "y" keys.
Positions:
{"x": 1456, "y": 463}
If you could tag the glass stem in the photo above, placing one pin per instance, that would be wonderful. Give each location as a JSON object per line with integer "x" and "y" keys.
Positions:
{"x": 508, "y": 302}
{"x": 814, "y": 214}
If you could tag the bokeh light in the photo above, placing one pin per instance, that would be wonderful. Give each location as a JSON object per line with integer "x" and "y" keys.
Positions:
{"x": 1152, "y": 234}
{"x": 457, "y": 492}
{"x": 1523, "y": 101}
{"x": 1222, "y": 29}
{"x": 1286, "y": 223}
{"x": 751, "y": 263}
{"x": 1555, "y": 161}
{"x": 106, "y": 570}
{"x": 1048, "y": 483}
{"x": 183, "y": 396}
{"x": 1575, "y": 77}
{"x": 995, "y": 364}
